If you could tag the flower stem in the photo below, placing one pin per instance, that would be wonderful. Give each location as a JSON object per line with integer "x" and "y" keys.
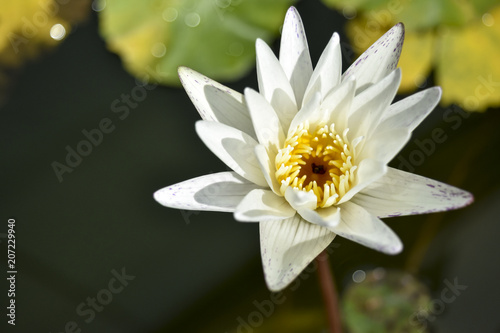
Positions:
{"x": 329, "y": 292}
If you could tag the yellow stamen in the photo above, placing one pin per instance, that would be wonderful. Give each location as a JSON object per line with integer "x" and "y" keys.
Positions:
{"x": 320, "y": 161}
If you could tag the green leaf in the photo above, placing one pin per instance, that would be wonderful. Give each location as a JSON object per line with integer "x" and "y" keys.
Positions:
{"x": 356, "y": 4}
{"x": 428, "y": 14}
{"x": 421, "y": 14}
{"x": 214, "y": 37}
{"x": 482, "y": 6}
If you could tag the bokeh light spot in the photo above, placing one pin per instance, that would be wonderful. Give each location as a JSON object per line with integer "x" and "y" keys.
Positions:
{"x": 57, "y": 32}
{"x": 98, "y": 5}
{"x": 349, "y": 12}
{"x": 158, "y": 50}
{"x": 488, "y": 20}
{"x": 223, "y": 3}
{"x": 170, "y": 14}
{"x": 359, "y": 276}
{"x": 192, "y": 20}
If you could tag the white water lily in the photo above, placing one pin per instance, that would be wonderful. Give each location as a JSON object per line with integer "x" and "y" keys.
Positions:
{"x": 309, "y": 151}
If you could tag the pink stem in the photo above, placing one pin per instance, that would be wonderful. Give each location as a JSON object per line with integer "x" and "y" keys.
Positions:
{"x": 329, "y": 292}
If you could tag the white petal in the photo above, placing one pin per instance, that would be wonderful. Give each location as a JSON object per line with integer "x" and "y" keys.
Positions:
{"x": 310, "y": 112}
{"x": 326, "y": 75}
{"x": 274, "y": 85}
{"x": 233, "y": 147}
{"x": 268, "y": 168}
{"x": 383, "y": 146}
{"x": 294, "y": 54}
{"x": 288, "y": 246}
{"x": 402, "y": 193}
{"x": 265, "y": 121}
{"x": 369, "y": 106}
{"x": 300, "y": 199}
{"x": 409, "y": 112}
{"x": 263, "y": 205}
{"x": 215, "y": 101}
{"x": 305, "y": 204}
{"x": 325, "y": 217}
{"x": 221, "y": 192}
{"x": 379, "y": 59}
{"x": 361, "y": 227}
{"x": 336, "y": 105}
{"x": 368, "y": 171}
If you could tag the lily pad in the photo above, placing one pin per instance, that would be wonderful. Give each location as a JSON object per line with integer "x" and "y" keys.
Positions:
{"x": 355, "y": 4}
{"x": 467, "y": 67}
{"x": 385, "y": 301}
{"x": 214, "y": 37}
{"x": 416, "y": 59}
{"x": 460, "y": 40}
{"x": 428, "y": 14}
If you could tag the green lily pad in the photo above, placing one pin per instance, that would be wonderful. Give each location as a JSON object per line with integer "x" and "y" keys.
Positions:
{"x": 482, "y": 6}
{"x": 416, "y": 15}
{"x": 355, "y": 4}
{"x": 215, "y": 37}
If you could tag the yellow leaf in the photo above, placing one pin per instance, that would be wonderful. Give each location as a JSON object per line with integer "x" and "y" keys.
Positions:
{"x": 364, "y": 30}
{"x": 468, "y": 61}
{"x": 416, "y": 59}
{"x": 27, "y": 25}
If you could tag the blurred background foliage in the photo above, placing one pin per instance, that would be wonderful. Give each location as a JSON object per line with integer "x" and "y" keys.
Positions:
{"x": 201, "y": 272}
{"x": 457, "y": 41}
{"x": 30, "y": 27}
{"x": 216, "y": 38}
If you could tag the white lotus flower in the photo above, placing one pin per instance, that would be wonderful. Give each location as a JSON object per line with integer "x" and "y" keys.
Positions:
{"x": 309, "y": 151}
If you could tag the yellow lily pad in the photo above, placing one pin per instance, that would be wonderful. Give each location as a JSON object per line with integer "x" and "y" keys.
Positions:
{"x": 416, "y": 60}
{"x": 459, "y": 39}
{"x": 28, "y": 25}
{"x": 417, "y": 54}
{"x": 467, "y": 65}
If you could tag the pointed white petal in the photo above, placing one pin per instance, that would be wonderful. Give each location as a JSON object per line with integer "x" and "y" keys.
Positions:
{"x": 409, "y": 112}
{"x": 379, "y": 59}
{"x": 233, "y": 147}
{"x": 383, "y": 146}
{"x": 369, "y": 106}
{"x": 274, "y": 84}
{"x": 288, "y": 246}
{"x": 361, "y": 227}
{"x": 221, "y": 192}
{"x": 294, "y": 54}
{"x": 268, "y": 168}
{"x": 368, "y": 171}
{"x": 402, "y": 193}
{"x": 305, "y": 204}
{"x": 215, "y": 101}
{"x": 263, "y": 205}
{"x": 336, "y": 106}
{"x": 265, "y": 121}
{"x": 326, "y": 75}
{"x": 310, "y": 112}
